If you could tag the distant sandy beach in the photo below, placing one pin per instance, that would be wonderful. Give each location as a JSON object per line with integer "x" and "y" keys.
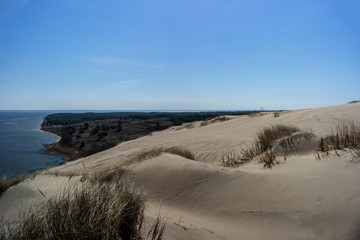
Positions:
{"x": 58, "y": 137}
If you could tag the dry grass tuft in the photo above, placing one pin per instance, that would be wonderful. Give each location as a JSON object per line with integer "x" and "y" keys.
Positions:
{"x": 346, "y": 135}
{"x": 296, "y": 142}
{"x": 157, "y": 230}
{"x": 155, "y": 152}
{"x": 181, "y": 152}
{"x": 268, "y": 159}
{"x": 110, "y": 175}
{"x": 276, "y": 114}
{"x": 96, "y": 211}
{"x": 257, "y": 114}
{"x": 231, "y": 159}
{"x": 185, "y": 126}
{"x": 214, "y": 120}
{"x": 268, "y": 136}
{"x": 262, "y": 147}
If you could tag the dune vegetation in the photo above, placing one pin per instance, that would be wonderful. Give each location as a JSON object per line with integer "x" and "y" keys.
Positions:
{"x": 345, "y": 135}
{"x": 157, "y": 151}
{"x": 92, "y": 210}
{"x": 263, "y": 146}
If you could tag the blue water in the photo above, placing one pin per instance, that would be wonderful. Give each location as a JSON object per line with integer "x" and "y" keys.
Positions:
{"x": 22, "y": 142}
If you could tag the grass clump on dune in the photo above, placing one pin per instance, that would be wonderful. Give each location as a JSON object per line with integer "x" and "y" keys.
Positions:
{"x": 155, "y": 152}
{"x": 265, "y": 141}
{"x": 231, "y": 159}
{"x": 268, "y": 136}
{"x": 89, "y": 211}
{"x": 214, "y": 120}
{"x": 262, "y": 147}
{"x": 109, "y": 175}
{"x": 346, "y": 135}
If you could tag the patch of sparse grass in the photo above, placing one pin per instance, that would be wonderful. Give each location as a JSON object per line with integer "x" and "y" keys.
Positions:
{"x": 268, "y": 158}
{"x": 299, "y": 141}
{"x": 148, "y": 154}
{"x": 155, "y": 152}
{"x": 6, "y": 182}
{"x": 262, "y": 147}
{"x": 185, "y": 126}
{"x": 60, "y": 174}
{"x": 214, "y": 120}
{"x": 96, "y": 211}
{"x": 181, "y": 152}
{"x": 276, "y": 114}
{"x": 268, "y": 136}
{"x": 157, "y": 230}
{"x": 346, "y": 135}
{"x": 231, "y": 159}
{"x": 109, "y": 175}
{"x": 257, "y": 114}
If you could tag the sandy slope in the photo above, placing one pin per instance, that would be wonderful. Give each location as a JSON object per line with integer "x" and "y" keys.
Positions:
{"x": 302, "y": 198}
{"x": 26, "y": 194}
{"x": 208, "y": 143}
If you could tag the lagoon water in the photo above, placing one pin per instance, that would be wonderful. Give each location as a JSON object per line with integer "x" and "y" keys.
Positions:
{"x": 22, "y": 142}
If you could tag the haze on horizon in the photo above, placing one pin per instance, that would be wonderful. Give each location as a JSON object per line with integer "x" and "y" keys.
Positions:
{"x": 178, "y": 55}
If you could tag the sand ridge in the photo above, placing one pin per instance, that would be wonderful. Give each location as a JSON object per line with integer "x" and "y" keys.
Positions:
{"x": 208, "y": 143}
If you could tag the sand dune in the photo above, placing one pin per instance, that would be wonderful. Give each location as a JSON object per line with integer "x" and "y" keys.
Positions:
{"x": 209, "y": 142}
{"x": 301, "y": 198}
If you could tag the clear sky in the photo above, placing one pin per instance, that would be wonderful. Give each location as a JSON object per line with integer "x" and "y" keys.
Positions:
{"x": 178, "y": 54}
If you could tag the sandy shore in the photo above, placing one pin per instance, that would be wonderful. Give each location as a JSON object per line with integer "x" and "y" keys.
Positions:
{"x": 301, "y": 198}
{"x": 58, "y": 137}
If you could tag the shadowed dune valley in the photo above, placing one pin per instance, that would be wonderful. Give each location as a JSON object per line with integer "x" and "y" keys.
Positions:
{"x": 229, "y": 179}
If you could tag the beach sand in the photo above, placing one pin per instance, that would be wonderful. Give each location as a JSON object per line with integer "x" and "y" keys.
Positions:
{"x": 301, "y": 198}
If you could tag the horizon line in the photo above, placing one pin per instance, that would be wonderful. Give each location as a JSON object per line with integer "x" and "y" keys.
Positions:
{"x": 143, "y": 110}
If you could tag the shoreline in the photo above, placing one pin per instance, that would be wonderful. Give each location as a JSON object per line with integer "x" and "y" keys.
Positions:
{"x": 58, "y": 137}
{"x": 52, "y": 149}
{"x": 54, "y": 153}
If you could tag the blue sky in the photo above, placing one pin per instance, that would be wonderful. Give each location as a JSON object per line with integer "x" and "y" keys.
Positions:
{"x": 178, "y": 54}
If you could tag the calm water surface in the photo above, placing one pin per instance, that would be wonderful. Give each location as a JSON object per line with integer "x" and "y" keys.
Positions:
{"x": 22, "y": 142}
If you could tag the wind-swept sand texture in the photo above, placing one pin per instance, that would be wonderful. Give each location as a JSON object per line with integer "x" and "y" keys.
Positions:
{"x": 301, "y": 198}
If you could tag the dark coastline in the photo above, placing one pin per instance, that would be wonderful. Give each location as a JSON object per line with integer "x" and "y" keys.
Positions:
{"x": 83, "y": 134}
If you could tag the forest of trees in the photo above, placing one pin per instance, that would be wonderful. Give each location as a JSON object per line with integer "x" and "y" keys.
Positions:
{"x": 83, "y": 134}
